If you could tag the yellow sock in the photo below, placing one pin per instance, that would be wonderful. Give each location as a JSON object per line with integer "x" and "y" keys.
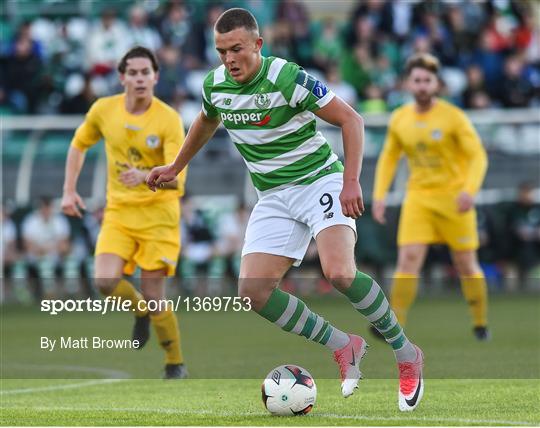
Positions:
{"x": 402, "y": 295}
{"x": 475, "y": 291}
{"x": 126, "y": 291}
{"x": 168, "y": 333}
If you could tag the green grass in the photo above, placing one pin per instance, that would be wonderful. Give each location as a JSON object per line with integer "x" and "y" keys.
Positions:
{"x": 238, "y": 402}
{"x": 467, "y": 383}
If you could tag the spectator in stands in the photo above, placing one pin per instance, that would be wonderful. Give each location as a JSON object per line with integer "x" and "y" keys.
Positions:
{"x": 328, "y": 46}
{"x": 296, "y": 15}
{"x": 45, "y": 236}
{"x": 524, "y": 33}
{"x": 80, "y": 102}
{"x": 38, "y": 62}
{"x": 293, "y": 11}
{"x": 24, "y": 32}
{"x": 527, "y": 38}
{"x": 382, "y": 74}
{"x": 106, "y": 43}
{"x": 399, "y": 14}
{"x": 499, "y": 26}
{"x": 524, "y": 225}
{"x": 175, "y": 26}
{"x": 480, "y": 100}
{"x": 475, "y": 94}
{"x": 9, "y": 243}
{"x": 440, "y": 39}
{"x": 66, "y": 55}
{"x": 172, "y": 85}
{"x": 355, "y": 67}
{"x": 374, "y": 101}
{"x": 199, "y": 49}
{"x": 489, "y": 60}
{"x": 462, "y": 37}
{"x": 398, "y": 95}
{"x": 281, "y": 40}
{"x": 342, "y": 89}
{"x": 514, "y": 90}
{"x": 369, "y": 21}
{"x": 22, "y": 78}
{"x": 139, "y": 33}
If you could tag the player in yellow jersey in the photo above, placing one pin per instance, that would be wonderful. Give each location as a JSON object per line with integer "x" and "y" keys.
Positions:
{"x": 447, "y": 164}
{"x": 140, "y": 228}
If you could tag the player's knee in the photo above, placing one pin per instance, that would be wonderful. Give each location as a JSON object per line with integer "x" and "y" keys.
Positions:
{"x": 256, "y": 291}
{"x": 340, "y": 277}
{"x": 106, "y": 285}
{"x": 409, "y": 262}
{"x": 468, "y": 269}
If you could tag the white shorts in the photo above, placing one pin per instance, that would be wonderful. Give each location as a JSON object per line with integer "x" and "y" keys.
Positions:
{"x": 284, "y": 222}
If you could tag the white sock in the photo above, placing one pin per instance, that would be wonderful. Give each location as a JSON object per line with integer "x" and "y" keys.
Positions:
{"x": 407, "y": 353}
{"x": 337, "y": 340}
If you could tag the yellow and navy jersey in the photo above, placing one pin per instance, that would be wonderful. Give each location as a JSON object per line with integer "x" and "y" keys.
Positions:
{"x": 443, "y": 151}
{"x": 141, "y": 141}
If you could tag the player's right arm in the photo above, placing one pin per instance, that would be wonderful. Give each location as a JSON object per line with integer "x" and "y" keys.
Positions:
{"x": 385, "y": 171}
{"x": 200, "y": 132}
{"x": 87, "y": 135}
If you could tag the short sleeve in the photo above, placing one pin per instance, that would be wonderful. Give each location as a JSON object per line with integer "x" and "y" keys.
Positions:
{"x": 88, "y": 133}
{"x": 309, "y": 93}
{"x": 207, "y": 107}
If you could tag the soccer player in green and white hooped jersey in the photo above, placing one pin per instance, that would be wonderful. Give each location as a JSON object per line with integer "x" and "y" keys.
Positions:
{"x": 268, "y": 106}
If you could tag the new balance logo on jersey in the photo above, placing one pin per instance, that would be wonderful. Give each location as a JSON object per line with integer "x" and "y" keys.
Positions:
{"x": 227, "y": 101}
{"x": 328, "y": 215}
{"x": 245, "y": 118}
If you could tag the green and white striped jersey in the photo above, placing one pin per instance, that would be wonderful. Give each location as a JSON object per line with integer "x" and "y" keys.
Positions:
{"x": 271, "y": 122}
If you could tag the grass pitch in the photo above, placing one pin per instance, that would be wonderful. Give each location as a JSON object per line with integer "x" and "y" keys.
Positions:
{"x": 467, "y": 383}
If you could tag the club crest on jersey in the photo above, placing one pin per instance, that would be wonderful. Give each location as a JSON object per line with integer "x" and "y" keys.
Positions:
{"x": 152, "y": 141}
{"x": 262, "y": 101}
{"x": 436, "y": 134}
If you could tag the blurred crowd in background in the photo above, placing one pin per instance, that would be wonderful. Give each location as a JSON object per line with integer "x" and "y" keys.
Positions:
{"x": 60, "y": 64}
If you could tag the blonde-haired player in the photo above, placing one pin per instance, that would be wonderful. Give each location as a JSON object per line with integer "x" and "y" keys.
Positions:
{"x": 140, "y": 228}
{"x": 447, "y": 164}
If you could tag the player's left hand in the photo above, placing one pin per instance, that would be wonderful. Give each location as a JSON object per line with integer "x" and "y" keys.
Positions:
{"x": 465, "y": 202}
{"x": 352, "y": 202}
{"x": 132, "y": 177}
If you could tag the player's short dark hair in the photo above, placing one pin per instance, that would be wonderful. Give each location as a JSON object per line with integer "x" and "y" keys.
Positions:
{"x": 138, "y": 52}
{"x": 235, "y": 18}
{"x": 423, "y": 60}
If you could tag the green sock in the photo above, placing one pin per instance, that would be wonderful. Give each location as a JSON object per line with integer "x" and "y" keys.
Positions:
{"x": 367, "y": 298}
{"x": 292, "y": 315}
